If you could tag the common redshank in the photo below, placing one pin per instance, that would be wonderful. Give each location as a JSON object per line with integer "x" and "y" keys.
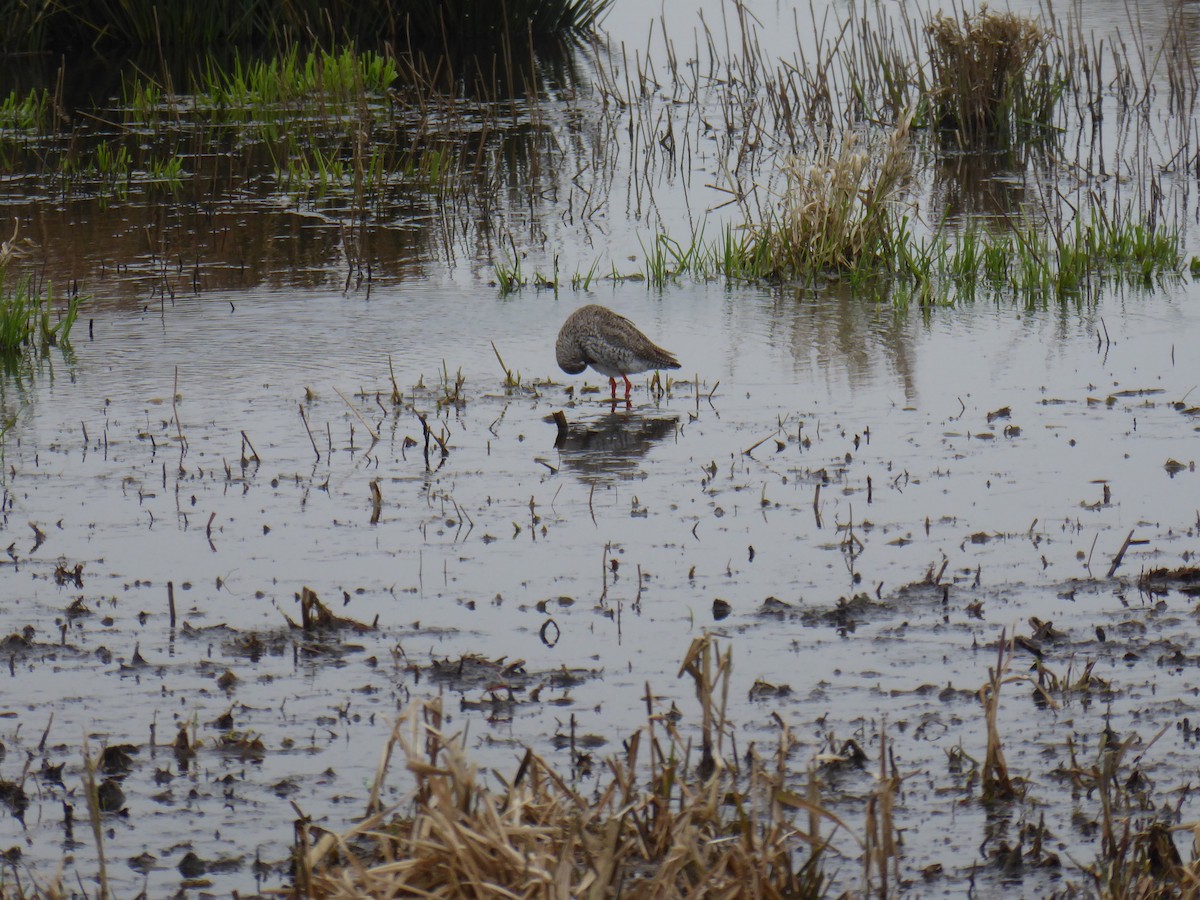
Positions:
{"x": 596, "y": 336}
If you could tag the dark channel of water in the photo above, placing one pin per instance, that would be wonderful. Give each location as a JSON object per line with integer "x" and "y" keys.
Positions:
{"x": 877, "y": 492}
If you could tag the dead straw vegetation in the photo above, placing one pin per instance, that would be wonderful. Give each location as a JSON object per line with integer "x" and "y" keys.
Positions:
{"x": 660, "y": 822}
{"x": 984, "y": 86}
{"x": 839, "y": 210}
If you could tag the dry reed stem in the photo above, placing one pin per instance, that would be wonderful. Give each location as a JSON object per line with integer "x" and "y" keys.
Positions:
{"x": 997, "y": 783}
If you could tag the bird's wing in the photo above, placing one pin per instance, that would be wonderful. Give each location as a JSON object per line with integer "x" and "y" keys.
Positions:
{"x": 592, "y": 346}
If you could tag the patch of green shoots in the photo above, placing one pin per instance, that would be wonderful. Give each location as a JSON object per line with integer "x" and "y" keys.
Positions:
{"x": 28, "y": 112}
{"x": 582, "y": 281}
{"x": 666, "y": 259}
{"x": 109, "y": 165}
{"x": 142, "y": 97}
{"x": 28, "y": 318}
{"x": 320, "y": 80}
{"x": 1039, "y": 266}
{"x": 509, "y": 276}
{"x": 433, "y": 166}
{"x": 168, "y": 173}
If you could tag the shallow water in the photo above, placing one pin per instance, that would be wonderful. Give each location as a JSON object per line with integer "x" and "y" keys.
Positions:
{"x": 911, "y": 483}
{"x": 460, "y": 561}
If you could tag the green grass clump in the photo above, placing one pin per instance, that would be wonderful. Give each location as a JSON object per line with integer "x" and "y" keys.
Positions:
{"x": 26, "y": 112}
{"x": 1037, "y": 265}
{"x": 261, "y": 86}
{"x": 28, "y": 318}
{"x": 1042, "y": 265}
{"x": 509, "y": 276}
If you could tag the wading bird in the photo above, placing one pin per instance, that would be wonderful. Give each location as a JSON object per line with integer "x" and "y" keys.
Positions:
{"x": 596, "y": 336}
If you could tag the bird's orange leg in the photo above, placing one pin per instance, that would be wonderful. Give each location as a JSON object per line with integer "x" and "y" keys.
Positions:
{"x": 612, "y": 382}
{"x": 628, "y": 386}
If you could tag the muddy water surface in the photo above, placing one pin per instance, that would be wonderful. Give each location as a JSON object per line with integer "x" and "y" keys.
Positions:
{"x": 860, "y": 500}
{"x": 976, "y": 467}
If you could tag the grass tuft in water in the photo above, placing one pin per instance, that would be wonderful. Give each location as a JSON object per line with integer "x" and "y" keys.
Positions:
{"x": 28, "y": 318}
{"x": 259, "y": 88}
{"x": 984, "y": 89}
{"x": 26, "y": 112}
{"x": 509, "y": 276}
{"x": 839, "y": 210}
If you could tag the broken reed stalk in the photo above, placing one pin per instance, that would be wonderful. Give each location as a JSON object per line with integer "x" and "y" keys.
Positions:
{"x": 698, "y": 663}
{"x": 880, "y": 853}
{"x": 564, "y": 428}
{"x": 997, "y": 784}
{"x": 91, "y": 790}
{"x": 311, "y": 439}
{"x": 509, "y": 379}
{"x": 427, "y": 434}
{"x": 397, "y": 396}
{"x": 253, "y": 452}
{"x": 376, "y": 501}
{"x": 175, "y": 414}
{"x": 354, "y": 409}
{"x": 1116, "y": 563}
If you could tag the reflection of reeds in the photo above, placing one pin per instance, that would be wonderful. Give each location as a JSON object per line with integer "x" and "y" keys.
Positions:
{"x": 881, "y": 854}
{"x": 656, "y": 827}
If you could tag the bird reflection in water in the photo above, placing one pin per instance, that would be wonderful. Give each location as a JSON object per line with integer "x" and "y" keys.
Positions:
{"x": 610, "y": 448}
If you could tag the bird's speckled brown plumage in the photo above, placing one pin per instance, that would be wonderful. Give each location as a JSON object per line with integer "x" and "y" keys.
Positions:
{"x": 596, "y": 336}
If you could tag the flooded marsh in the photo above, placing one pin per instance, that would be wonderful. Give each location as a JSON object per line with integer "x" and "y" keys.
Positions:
{"x": 296, "y": 465}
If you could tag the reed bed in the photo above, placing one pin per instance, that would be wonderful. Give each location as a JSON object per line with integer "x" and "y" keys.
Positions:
{"x": 56, "y": 27}
{"x": 1001, "y": 88}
